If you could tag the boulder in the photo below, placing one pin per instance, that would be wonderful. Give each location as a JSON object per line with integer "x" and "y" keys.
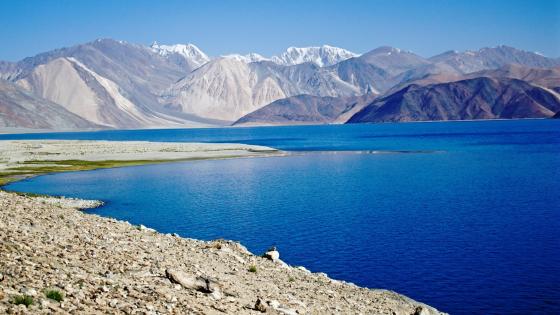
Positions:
{"x": 201, "y": 284}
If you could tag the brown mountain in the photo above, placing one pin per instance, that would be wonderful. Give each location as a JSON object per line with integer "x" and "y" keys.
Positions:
{"x": 545, "y": 77}
{"x": 478, "y": 98}
{"x": 307, "y": 109}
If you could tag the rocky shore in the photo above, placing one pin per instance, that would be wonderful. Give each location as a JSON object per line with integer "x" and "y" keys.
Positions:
{"x": 101, "y": 265}
{"x": 56, "y": 259}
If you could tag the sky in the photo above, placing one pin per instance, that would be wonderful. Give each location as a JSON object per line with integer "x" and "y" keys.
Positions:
{"x": 268, "y": 27}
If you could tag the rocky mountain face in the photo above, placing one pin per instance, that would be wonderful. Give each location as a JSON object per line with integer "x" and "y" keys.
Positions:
{"x": 379, "y": 69}
{"x": 22, "y": 109}
{"x": 478, "y": 98}
{"x": 115, "y": 84}
{"x": 228, "y": 89}
{"x": 307, "y": 109}
{"x": 109, "y": 83}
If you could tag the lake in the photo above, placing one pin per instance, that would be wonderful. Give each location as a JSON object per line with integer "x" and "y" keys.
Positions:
{"x": 463, "y": 216}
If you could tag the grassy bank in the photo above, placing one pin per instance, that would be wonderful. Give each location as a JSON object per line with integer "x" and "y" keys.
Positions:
{"x": 40, "y": 167}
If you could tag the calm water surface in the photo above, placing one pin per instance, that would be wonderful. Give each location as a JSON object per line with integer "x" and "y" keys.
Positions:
{"x": 470, "y": 227}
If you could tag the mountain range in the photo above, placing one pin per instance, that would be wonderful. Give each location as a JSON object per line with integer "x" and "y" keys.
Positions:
{"x": 115, "y": 84}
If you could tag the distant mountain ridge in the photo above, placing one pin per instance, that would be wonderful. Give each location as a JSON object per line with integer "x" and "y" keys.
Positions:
{"x": 491, "y": 58}
{"x": 115, "y": 84}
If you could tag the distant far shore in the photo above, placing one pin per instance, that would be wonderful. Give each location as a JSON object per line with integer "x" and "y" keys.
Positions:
{"x": 8, "y": 131}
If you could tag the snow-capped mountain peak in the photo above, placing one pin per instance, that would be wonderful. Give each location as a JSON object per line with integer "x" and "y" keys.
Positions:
{"x": 248, "y": 58}
{"x": 189, "y": 51}
{"x": 320, "y": 55}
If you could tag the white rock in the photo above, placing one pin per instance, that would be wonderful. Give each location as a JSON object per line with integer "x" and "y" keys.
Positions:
{"x": 216, "y": 294}
{"x": 273, "y": 255}
{"x": 29, "y": 291}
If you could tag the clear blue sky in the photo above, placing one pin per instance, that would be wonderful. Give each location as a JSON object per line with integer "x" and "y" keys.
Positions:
{"x": 426, "y": 27}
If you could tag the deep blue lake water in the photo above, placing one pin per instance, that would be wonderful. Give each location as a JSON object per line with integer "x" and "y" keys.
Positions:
{"x": 471, "y": 227}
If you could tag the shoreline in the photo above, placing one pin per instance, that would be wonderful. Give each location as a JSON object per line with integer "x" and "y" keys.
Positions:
{"x": 105, "y": 265}
{"x": 29, "y": 131}
{"x": 20, "y": 159}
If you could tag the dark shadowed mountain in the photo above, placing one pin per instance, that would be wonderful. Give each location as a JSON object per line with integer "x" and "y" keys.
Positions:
{"x": 479, "y": 98}
{"x": 307, "y": 109}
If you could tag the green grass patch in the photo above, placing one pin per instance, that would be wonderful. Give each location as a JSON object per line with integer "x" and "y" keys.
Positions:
{"x": 22, "y": 300}
{"x": 34, "y": 168}
{"x": 54, "y": 295}
{"x": 253, "y": 269}
{"x": 39, "y": 167}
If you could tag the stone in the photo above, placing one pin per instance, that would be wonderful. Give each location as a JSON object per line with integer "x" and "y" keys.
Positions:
{"x": 216, "y": 294}
{"x": 260, "y": 306}
{"x": 29, "y": 291}
{"x": 280, "y": 308}
{"x": 201, "y": 284}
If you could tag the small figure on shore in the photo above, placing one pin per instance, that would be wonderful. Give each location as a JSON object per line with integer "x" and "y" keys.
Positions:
{"x": 272, "y": 254}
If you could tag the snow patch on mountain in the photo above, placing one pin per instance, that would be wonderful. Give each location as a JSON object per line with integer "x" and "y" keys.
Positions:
{"x": 322, "y": 56}
{"x": 248, "y": 58}
{"x": 188, "y": 51}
